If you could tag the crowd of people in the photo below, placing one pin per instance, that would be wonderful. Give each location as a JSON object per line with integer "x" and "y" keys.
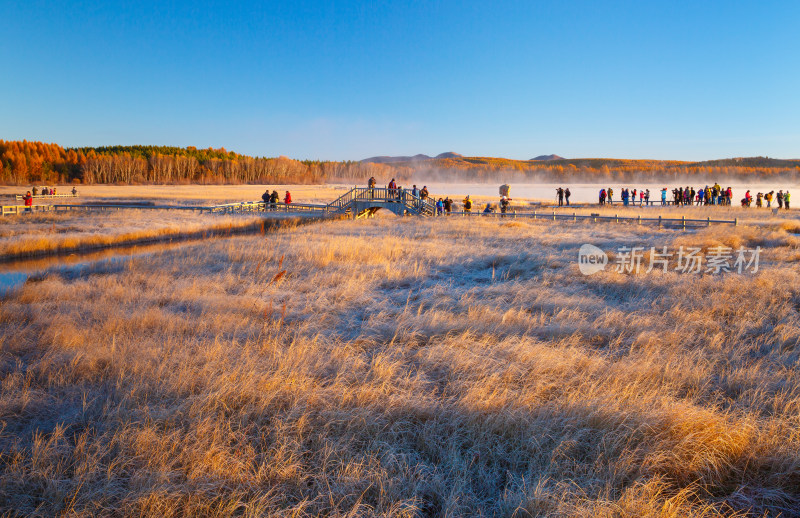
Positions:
{"x": 627, "y": 196}
{"x": 48, "y": 191}
{"x": 271, "y": 199}
{"x": 707, "y": 195}
{"x": 781, "y": 198}
{"x": 27, "y": 199}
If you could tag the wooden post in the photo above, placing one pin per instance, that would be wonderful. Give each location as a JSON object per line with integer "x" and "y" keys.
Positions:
{"x": 683, "y": 221}
{"x": 554, "y": 215}
{"x": 574, "y": 217}
{"x": 616, "y": 218}
{"x": 708, "y": 221}
{"x": 736, "y": 222}
{"x": 659, "y": 221}
{"x": 639, "y": 219}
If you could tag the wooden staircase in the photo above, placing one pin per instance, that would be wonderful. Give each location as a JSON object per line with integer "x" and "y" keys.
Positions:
{"x": 364, "y": 202}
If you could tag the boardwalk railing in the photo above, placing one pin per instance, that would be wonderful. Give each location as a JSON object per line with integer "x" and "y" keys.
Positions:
{"x": 19, "y": 197}
{"x": 228, "y": 208}
{"x": 13, "y": 210}
{"x": 260, "y": 206}
{"x": 657, "y": 202}
{"x": 683, "y": 221}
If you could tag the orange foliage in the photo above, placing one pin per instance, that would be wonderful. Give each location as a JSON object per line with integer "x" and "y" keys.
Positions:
{"x": 23, "y": 162}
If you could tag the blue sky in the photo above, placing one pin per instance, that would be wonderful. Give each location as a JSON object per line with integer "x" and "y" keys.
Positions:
{"x": 348, "y": 80}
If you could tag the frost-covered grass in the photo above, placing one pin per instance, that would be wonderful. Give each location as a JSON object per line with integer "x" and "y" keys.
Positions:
{"x": 406, "y": 367}
{"x": 48, "y": 232}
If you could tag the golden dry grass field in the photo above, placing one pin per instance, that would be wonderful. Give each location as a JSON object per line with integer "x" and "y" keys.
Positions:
{"x": 406, "y": 367}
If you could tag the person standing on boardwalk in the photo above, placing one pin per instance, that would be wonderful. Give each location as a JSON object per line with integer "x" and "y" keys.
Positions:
{"x": 664, "y": 196}
{"x": 505, "y": 201}
{"x": 273, "y": 200}
{"x": 371, "y": 186}
{"x": 610, "y": 193}
{"x": 467, "y": 204}
{"x": 560, "y": 193}
{"x": 35, "y": 190}
{"x": 786, "y": 200}
{"x": 448, "y": 205}
{"x": 28, "y": 199}
{"x": 567, "y": 194}
{"x": 74, "y": 191}
{"x": 392, "y": 187}
{"x": 424, "y": 192}
{"x": 288, "y": 198}
{"x": 602, "y": 196}
{"x": 780, "y": 199}
{"x": 265, "y": 199}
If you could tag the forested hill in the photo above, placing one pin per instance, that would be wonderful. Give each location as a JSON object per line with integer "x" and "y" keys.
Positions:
{"x": 149, "y": 151}
{"x": 753, "y": 161}
{"x": 23, "y": 162}
{"x": 36, "y": 162}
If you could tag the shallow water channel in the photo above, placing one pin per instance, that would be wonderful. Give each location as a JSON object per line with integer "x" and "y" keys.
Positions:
{"x": 14, "y": 273}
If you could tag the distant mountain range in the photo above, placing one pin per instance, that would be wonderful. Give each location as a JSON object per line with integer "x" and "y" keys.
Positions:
{"x": 450, "y": 154}
{"x": 451, "y": 159}
{"x": 415, "y": 158}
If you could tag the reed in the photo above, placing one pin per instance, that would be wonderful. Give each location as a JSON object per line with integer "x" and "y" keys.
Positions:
{"x": 406, "y": 368}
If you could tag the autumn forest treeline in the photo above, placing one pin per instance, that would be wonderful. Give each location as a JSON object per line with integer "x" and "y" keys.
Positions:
{"x": 28, "y": 163}
{"x": 23, "y": 163}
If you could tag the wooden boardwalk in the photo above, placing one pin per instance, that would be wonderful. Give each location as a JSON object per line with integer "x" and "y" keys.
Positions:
{"x": 361, "y": 202}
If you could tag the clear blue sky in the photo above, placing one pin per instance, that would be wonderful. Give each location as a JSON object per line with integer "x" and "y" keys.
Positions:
{"x": 347, "y": 80}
